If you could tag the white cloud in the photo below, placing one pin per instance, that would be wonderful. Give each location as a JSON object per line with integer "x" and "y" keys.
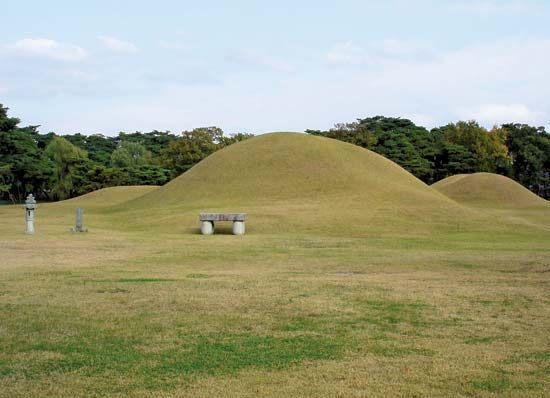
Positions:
{"x": 118, "y": 46}
{"x": 490, "y": 69}
{"x": 348, "y": 53}
{"x": 351, "y": 54}
{"x": 47, "y": 48}
{"x": 501, "y": 113}
{"x": 446, "y": 85}
{"x": 248, "y": 57}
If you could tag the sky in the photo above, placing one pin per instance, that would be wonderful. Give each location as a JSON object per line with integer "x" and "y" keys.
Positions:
{"x": 259, "y": 66}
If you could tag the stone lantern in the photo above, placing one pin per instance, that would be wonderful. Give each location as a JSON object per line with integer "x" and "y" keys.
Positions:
{"x": 30, "y": 207}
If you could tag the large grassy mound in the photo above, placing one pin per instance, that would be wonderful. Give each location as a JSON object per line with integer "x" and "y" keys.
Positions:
{"x": 488, "y": 190}
{"x": 298, "y": 182}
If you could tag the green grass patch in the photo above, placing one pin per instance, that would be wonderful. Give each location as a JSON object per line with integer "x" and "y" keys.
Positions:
{"x": 389, "y": 315}
{"x": 500, "y": 384}
{"x": 540, "y": 360}
{"x": 492, "y": 384}
{"x": 232, "y": 352}
{"x": 93, "y": 352}
{"x": 5, "y": 370}
{"x": 543, "y": 356}
{"x": 305, "y": 323}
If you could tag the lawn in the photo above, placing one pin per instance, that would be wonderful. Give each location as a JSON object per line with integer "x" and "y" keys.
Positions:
{"x": 114, "y": 313}
{"x": 354, "y": 279}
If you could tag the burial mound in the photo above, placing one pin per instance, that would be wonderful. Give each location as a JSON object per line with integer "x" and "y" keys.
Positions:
{"x": 488, "y": 190}
{"x": 299, "y": 182}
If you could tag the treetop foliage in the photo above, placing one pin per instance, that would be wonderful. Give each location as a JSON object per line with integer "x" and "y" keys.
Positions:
{"x": 518, "y": 151}
{"x": 54, "y": 167}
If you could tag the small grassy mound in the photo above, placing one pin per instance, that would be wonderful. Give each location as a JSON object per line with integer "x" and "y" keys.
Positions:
{"x": 108, "y": 196}
{"x": 488, "y": 190}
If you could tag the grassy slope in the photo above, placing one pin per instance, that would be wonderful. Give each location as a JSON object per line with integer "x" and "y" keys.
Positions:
{"x": 448, "y": 307}
{"x": 296, "y": 183}
{"x": 488, "y": 190}
{"x": 106, "y": 197}
{"x": 499, "y": 196}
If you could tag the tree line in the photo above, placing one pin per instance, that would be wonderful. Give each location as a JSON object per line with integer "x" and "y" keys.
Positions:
{"x": 519, "y": 151}
{"x": 57, "y": 167}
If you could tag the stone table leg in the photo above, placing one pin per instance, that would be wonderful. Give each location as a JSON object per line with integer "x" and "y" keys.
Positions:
{"x": 207, "y": 227}
{"x": 238, "y": 227}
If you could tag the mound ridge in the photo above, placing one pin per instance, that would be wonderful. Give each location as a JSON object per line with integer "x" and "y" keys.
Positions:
{"x": 299, "y": 182}
{"x": 108, "y": 196}
{"x": 488, "y": 190}
{"x": 281, "y": 166}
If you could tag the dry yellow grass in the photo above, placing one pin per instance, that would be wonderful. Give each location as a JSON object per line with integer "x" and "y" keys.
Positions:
{"x": 499, "y": 197}
{"x": 297, "y": 183}
{"x": 370, "y": 294}
{"x": 108, "y": 196}
{"x": 488, "y": 190}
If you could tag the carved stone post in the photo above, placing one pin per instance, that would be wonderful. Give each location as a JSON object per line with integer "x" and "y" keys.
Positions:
{"x": 79, "y": 227}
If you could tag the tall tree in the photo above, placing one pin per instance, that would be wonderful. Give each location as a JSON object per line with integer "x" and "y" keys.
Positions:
{"x": 23, "y": 170}
{"x": 191, "y": 148}
{"x": 154, "y": 141}
{"x": 130, "y": 155}
{"x": 98, "y": 146}
{"x": 488, "y": 148}
{"x": 529, "y": 149}
{"x": 68, "y": 163}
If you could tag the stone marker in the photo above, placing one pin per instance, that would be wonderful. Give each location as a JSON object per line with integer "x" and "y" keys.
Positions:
{"x": 79, "y": 227}
{"x": 30, "y": 207}
{"x": 207, "y": 222}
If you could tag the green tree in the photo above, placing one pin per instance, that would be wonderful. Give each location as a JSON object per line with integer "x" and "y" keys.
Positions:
{"x": 5, "y": 177}
{"x": 354, "y": 133}
{"x": 529, "y": 149}
{"x": 98, "y": 146}
{"x": 191, "y": 148}
{"x": 154, "y": 141}
{"x": 130, "y": 155}
{"x": 146, "y": 175}
{"x": 68, "y": 161}
{"x": 232, "y": 139}
{"x": 23, "y": 169}
{"x": 487, "y": 148}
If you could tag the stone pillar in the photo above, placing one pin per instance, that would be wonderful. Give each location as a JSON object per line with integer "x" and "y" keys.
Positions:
{"x": 207, "y": 227}
{"x": 30, "y": 207}
{"x": 79, "y": 227}
{"x": 238, "y": 227}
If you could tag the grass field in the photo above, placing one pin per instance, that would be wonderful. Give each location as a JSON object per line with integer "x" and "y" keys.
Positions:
{"x": 354, "y": 280}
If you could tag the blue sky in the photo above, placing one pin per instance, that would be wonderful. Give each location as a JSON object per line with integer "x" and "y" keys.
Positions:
{"x": 253, "y": 66}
